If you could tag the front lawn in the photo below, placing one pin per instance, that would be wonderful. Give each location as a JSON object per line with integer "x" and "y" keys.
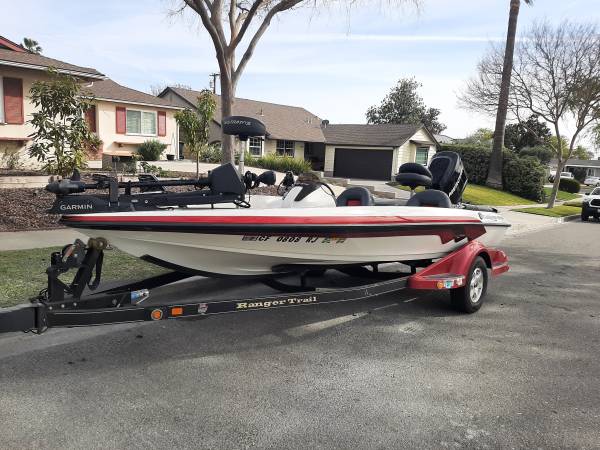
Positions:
{"x": 557, "y": 211}
{"x": 561, "y": 195}
{"x": 483, "y": 195}
{"x": 23, "y": 272}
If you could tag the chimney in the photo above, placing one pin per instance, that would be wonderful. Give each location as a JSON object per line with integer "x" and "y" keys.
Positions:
{"x": 325, "y": 122}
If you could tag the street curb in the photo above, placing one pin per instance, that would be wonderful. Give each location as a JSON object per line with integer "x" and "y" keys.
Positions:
{"x": 570, "y": 218}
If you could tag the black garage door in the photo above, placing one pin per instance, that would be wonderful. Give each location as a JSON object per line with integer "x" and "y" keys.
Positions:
{"x": 363, "y": 163}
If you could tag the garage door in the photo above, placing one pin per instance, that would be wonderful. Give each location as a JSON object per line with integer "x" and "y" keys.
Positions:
{"x": 363, "y": 163}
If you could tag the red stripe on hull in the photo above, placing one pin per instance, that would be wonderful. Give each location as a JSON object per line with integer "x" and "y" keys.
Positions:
{"x": 275, "y": 220}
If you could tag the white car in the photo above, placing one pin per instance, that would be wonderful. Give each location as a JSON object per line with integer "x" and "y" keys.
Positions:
{"x": 592, "y": 181}
{"x": 591, "y": 205}
{"x": 568, "y": 175}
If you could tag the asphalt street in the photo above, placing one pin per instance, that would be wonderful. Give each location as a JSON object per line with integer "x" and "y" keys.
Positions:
{"x": 391, "y": 372}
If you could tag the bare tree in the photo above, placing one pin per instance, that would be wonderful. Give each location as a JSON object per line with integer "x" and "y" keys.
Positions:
{"x": 555, "y": 75}
{"x": 156, "y": 89}
{"x": 494, "y": 178}
{"x": 229, "y": 23}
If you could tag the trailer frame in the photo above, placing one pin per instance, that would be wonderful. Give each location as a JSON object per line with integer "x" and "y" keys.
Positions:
{"x": 83, "y": 303}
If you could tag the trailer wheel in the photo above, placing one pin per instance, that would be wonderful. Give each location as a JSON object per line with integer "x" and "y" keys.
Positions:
{"x": 469, "y": 298}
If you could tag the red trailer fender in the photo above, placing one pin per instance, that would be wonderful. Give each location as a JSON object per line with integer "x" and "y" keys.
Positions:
{"x": 451, "y": 271}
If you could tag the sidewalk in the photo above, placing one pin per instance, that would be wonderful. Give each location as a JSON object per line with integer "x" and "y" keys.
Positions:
{"x": 23, "y": 240}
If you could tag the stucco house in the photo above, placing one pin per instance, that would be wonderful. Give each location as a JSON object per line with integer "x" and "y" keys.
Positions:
{"x": 591, "y": 166}
{"x": 19, "y": 69}
{"x": 122, "y": 118}
{"x": 346, "y": 151}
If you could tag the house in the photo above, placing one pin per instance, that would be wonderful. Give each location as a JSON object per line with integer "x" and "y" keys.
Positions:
{"x": 591, "y": 166}
{"x": 19, "y": 69}
{"x": 124, "y": 118}
{"x": 292, "y": 131}
{"x": 347, "y": 151}
{"x": 444, "y": 139}
{"x": 375, "y": 151}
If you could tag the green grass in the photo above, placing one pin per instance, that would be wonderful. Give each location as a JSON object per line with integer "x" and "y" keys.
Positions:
{"x": 557, "y": 211}
{"x": 483, "y": 195}
{"x": 561, "y": 195}
{"x": 23, "y": 272}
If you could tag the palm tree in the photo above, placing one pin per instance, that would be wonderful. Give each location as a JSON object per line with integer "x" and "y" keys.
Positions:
{"x": 494, "y": 178}
{"x": 32, "y": 45}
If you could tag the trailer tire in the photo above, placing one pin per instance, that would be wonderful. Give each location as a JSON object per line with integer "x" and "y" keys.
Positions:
{"x": 469, "y": 298}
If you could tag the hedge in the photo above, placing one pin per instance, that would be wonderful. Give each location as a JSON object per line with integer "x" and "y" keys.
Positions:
{"x": 569, "y": 185}
{"x": 278, "y": 163}
{"x": 523, "y": 176}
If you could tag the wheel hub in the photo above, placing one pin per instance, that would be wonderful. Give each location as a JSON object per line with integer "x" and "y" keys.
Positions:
{"x": 476, "y": 285}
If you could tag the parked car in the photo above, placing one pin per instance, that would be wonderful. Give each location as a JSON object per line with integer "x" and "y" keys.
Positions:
{"x": 591, "y": 205}
{"x": 562, "y": 175}
{"x": 592, "y": 181}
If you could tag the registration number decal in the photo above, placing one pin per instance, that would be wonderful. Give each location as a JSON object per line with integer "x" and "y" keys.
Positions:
{"x": 296, "y": 239}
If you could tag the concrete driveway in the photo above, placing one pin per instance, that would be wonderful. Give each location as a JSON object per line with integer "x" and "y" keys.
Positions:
{"x": 393, "y": 372}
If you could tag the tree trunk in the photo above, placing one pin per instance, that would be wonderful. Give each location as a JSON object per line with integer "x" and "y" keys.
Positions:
{"x": 197, "y": 165}
{"x": 227, "y": 100}
{"x": 494, "y": 178}
{"x": 560, "y": 165}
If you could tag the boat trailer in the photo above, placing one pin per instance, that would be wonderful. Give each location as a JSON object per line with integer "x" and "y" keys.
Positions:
{"x": 83, "y": 303}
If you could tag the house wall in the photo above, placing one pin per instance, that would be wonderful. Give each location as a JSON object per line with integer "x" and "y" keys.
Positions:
{"x": 20, "y": 131}
{"x": 407, "y": 152}
{"x": 106, "y": 123}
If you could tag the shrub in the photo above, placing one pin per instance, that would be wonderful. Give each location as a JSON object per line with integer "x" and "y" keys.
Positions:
{"x": 580, "y": 173}
{"x": 211, "y": 154}
{"x": 151, "y": 150}
{"x": 278, "y": 163}
{"x": 522, "y": 176}
{"x": 476, "y": 160}
{"x": 569, "y": 185}
{"x": 12, "y": 160}
{"x": 156, "y": 170}
{"x": 544, "y": 154}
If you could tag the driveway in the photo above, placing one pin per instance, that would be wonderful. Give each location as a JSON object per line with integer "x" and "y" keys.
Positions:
{"x": 393, "y": 372}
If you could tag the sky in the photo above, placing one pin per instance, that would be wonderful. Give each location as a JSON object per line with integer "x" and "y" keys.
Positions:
{"x": 332, "y": 61}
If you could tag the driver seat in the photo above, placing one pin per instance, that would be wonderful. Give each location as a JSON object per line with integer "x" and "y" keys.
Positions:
{"x": 355, "y": 196}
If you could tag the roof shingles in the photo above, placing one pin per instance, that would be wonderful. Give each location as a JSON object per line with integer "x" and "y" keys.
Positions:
{"x": 281, "y": 121}
{"x": 11, "y": 57}
{"x": 383, "y": 135}
{"x": 109, "y": 90}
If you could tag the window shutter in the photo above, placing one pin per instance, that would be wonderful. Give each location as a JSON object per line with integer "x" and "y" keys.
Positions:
{"x": 121, "y": 120}
{"x": 90, "y": 118}
{"x": 13, "y": 100}
{"x": 162, "y": 123}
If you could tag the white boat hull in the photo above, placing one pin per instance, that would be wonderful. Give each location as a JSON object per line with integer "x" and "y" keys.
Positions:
{"x": 257, "y": 241}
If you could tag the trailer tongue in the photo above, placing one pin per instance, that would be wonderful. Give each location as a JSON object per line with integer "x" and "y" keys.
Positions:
{"x": 85, "y": 301}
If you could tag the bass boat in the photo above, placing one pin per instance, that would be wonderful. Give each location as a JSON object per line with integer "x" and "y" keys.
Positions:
{"x": 219, "y": 229}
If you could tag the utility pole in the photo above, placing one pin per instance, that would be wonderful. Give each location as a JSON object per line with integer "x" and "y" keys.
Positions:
{"x": 214, "y": 81}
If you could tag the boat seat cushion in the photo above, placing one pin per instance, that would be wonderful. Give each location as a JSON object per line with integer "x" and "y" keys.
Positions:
{"x": 430, "y": 197}
{"x": 355, "y": 196}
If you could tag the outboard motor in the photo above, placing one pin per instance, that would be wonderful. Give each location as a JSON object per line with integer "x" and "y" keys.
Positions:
{"x": 448, "y": 175}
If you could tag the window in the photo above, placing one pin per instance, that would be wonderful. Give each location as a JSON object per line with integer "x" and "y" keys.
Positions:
{"x": 422, "y": 155}
{"x": 255, "y": 146}
{"x": 141, "y": 122}
{"x": 1, "y": 101}
{"x": 285, "y": 148}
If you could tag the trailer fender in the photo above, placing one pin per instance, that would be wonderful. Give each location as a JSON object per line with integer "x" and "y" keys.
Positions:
{"x": 451, "y": 271}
